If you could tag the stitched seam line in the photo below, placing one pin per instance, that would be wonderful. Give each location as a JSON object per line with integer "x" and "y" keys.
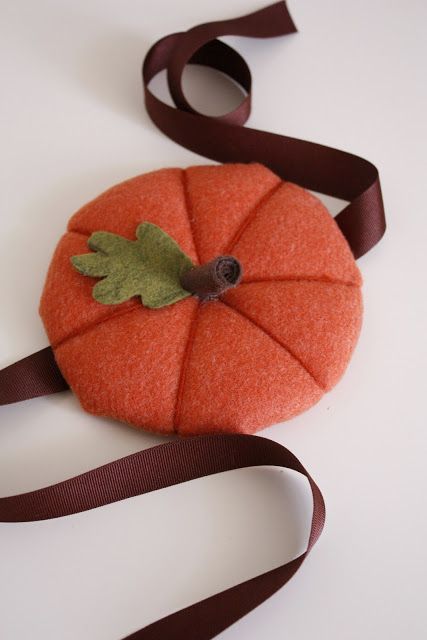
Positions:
{"x": 252, "y": 215}
{"x": 80, "y": 232}
{"x": 184, "y": 369}
{"x": 83, "y": 330}
{"x": 189, "y": 210}
{"x": 300, "y": 279}
{"x": 277, "y": 341}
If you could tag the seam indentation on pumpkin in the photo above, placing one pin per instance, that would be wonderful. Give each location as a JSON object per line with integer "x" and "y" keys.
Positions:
{"x": 80, "y": 232}
{"x": 189, "y": 210}
{"x": 276, "y": 340}
{"x": 343, "y": 283}
{"x": 184, "y": 367}
{"x": 91, "y": 325}
{"x": 252, "y": 215}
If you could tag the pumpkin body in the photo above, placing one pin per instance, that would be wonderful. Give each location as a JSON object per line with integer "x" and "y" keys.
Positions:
{"x": 264, "y": 352}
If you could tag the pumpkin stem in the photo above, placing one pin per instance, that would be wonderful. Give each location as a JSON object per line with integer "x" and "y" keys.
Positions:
{"x": 210, "y": 280}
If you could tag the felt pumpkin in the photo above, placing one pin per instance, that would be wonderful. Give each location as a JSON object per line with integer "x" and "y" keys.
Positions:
{"x": 234, "y": 360}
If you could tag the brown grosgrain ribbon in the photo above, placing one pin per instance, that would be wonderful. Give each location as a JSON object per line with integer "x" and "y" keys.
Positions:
{"x": 362, "y": 222}
{"x": 160, "y": 467}
{"x": 310, "y": 165}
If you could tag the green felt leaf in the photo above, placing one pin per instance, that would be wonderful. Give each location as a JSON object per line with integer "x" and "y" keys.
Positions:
{"x": 150, "y": 266}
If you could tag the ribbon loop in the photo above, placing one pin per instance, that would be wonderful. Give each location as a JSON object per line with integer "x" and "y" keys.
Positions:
{"x": 268, "y": 22}
{"x": 313, "y": 166}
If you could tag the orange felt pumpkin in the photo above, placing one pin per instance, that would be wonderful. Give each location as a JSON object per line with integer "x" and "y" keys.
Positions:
{"x": 263, "y": 352}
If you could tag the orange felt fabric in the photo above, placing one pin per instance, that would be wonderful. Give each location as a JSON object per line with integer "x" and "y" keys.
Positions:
{"x": 158, "y": 197}
{"x": 265, "y": 352}
{"x": 67, "y": 306}
{"x": 222, "y": 198}
{"x": 318, "y": 322}
{"x": 129, "y": 367}
{"x": 238, "y": 378}
{"x": 294, "y": 236}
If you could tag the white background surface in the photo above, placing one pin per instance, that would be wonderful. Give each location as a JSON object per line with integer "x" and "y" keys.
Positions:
{"x": 72, "y": 124}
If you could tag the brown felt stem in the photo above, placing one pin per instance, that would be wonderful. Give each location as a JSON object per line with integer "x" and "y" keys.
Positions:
{"x": 210, "y": 280}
